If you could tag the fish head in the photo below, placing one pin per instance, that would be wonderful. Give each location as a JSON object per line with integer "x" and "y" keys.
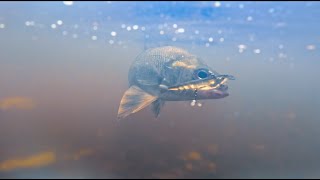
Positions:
{"x": 214, "y": 86}
{"x": 196, "y": 80}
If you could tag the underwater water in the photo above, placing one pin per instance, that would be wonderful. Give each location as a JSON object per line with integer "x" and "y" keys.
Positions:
{"x": 64, "y": 68}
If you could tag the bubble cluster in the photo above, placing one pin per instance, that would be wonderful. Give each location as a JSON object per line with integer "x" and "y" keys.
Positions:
{"x": 94, "y": 38}
{"x": 135, "y": 27}
{"x": 257, "y": 51}
{"x": 180, "y": 30}
{"x": 53, "y": 26}
{"x": 217, "y": 4}
{"x": 242, "y": 47}
{"x": 113, "y": 33}
{"x": 310, "y": 47}
{"x": 59, "y": 22}
{"x": 68, "y": 3}
{"x": 29, "y": 23}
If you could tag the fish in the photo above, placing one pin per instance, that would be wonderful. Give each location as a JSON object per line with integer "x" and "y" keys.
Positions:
{"x": 169, "y": 73}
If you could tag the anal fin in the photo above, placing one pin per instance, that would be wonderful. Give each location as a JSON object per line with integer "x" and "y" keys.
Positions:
{"x": 133, "y": 100}
{"x": 156, "y": 107}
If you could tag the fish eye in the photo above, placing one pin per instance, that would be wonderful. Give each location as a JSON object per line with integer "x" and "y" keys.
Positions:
{"x": 202, "y": 74}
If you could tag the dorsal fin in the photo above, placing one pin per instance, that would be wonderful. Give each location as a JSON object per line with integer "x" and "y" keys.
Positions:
{"x": 133, "y": 100}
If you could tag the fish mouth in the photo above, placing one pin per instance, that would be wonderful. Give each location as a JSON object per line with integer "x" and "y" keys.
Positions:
{"x": 213, "y": 92}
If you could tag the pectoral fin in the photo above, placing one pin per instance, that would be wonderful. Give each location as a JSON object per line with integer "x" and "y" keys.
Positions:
{"x": 156, "y": 107}
{"x": 133, "y": 100}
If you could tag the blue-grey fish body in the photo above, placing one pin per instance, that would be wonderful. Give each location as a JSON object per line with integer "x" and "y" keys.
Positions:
{"x": 169, "y": 74}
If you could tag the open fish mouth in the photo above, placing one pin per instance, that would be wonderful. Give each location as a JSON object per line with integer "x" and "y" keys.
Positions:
{"x": 213, "y": 93}
{"x": 216, "y": 91}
